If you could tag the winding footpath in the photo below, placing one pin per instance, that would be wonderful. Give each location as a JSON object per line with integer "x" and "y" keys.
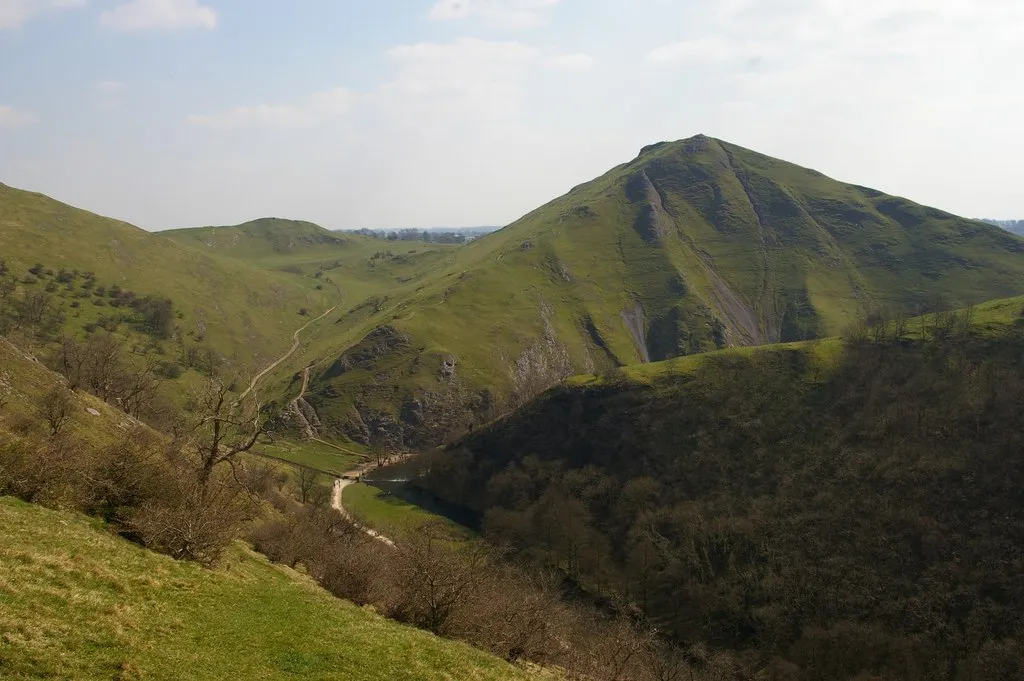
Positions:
{"x": 293, "y": 406}
{"x": 291, "y": 351}
{"x": 307, "y": 428}
{"x": 341, "y": 483}
{"x": 339, "y": 488}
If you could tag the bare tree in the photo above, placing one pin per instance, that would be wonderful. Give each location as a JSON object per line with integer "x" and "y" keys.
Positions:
{"x": 102, "y": 366}
{"x": 223, "y": 427}
{"x": 134, "y": 390}
{"x": 56, "y": 407}
{"x": 662, "y": 660}
{"x": 320, "y": 497}
{"x": 616, "y": 650}
{"x": 900, "y": 326}
{"x": 307, "y": 481}
{"x": 94, "y": 364}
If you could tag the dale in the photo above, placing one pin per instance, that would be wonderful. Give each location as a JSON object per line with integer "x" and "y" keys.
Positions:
{"x": 712, "y": 415}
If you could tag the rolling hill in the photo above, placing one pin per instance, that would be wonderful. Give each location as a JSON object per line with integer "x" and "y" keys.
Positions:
{"x": 242, "y": 311}
{"x": 262, "y": 239}
{"x": 692, "y": 246}
{"x": 349, "y": 267}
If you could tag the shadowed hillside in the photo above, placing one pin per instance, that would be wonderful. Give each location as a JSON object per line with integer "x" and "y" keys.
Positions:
{"x": 837, "y": 510}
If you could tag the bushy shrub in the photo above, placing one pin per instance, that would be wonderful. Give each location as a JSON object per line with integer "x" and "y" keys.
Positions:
{"x": 195, "y": 520}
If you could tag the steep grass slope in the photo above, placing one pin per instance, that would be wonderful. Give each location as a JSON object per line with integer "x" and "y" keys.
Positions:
{"x": 77, "y": 602}
{"x": 24, "y": 382}
{"x": 692, "y": 246}
{"x": 240, "y": 310}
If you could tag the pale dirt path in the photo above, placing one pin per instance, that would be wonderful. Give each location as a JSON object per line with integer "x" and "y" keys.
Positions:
{"x": 339, "y": 488}
{"x": 307, "y": 427}
{"x": 341, "y": 483}
{"x": 291, "y": 351}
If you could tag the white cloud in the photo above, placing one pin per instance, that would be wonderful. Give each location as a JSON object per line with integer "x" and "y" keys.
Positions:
{"x": 858, "y": 89}
{"x": 710, "y": 48}
{"x": 431, "y": 84}
{"x": 465, "y": 78}
{"x": 142, "y": 15}
{"x": 463, "y": 52}
{"x": 576, "y": 61}
{"x": 15, "y": 118}
{"x": 109, "y": 94}
{"x": 110, "y": 87}
{"x": 749, "y": 29}
{"x": 15, "y": 13}
{"x": 316, "y": 108}
{"x": 498, "y": 13}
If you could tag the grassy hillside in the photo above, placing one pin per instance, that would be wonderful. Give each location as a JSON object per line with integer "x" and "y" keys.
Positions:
{"x": 355, "y": 266}
{"x": 24, "y": 382}
{"x": 77, "y": 602}
{"x": 262, "y": 239}
{"x": 836, "y": 509}
{"x": 692, "y": 246}
{"x": 238, "y": 309}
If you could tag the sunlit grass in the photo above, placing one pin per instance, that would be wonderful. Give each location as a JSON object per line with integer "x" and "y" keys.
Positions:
{"x": 392, "y": 515}
{"x": 78, "y": 603}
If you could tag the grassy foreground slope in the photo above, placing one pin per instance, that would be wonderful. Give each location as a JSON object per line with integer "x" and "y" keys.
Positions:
{"x": 78, "y": 602}
{"x": 693, "y": 246}
{"x": 242, "y": 311}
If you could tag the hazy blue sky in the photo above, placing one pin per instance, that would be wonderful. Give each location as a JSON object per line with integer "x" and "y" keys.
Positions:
{"x": 383, "y": 113}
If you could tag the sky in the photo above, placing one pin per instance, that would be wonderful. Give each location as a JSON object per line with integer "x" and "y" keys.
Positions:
{"x": 415, "y": 113}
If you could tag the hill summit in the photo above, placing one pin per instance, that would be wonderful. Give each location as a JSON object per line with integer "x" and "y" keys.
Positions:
{"x": 260, "y": 237}
{"x": 693, "y": 245}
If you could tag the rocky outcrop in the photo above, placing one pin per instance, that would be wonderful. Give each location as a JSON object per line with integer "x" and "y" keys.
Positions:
{"x": 633, "y": 318}
{"x": 305, "y": 418}
{"x": 447, "y": 371}
{"x": 654, "y": 222}
{"x": 594, "y": 334}
{"x": 366, "y": 353}
{"x": 542, "y": 364}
